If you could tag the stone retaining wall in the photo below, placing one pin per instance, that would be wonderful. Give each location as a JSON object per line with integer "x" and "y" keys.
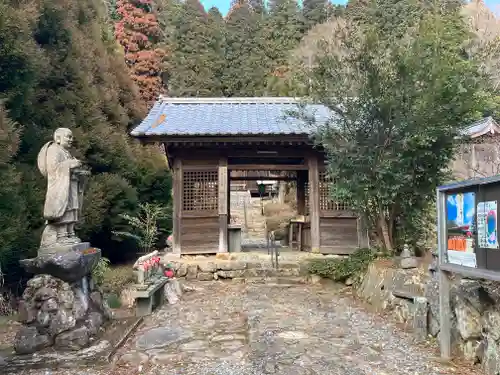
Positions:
{"x": 233, "y": 269}
{"x": 475, "y": 307}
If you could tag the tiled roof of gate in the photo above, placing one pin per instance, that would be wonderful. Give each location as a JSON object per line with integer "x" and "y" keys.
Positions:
{"x": 243, "y": 116}
{"x": 486, "y": 124}
{"x": 226, "y": 116}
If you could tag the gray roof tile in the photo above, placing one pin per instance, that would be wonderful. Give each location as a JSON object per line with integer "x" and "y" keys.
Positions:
{"x": 226, "y": 116}
{"x": 480, "y": 126}
{"x": 241, "y": 116}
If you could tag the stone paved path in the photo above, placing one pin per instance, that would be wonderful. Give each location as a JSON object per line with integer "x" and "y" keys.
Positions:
{"x": 247, "y": 329}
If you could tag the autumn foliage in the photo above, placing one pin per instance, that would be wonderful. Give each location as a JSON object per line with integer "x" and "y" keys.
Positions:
{"x": 138, "y": 32}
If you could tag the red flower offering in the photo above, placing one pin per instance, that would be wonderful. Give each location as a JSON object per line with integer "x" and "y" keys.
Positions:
{"x": 169, "y": 274}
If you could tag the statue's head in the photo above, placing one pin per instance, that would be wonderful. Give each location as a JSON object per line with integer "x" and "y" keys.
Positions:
{"x": 63, "y": 137}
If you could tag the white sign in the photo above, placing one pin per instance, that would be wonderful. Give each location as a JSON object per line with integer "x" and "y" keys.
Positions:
{"x": 462, "y": 258}
{"x": 487, "y": 236}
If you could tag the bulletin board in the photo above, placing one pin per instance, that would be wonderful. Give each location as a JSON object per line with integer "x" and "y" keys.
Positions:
{"x": 467, "y": 226}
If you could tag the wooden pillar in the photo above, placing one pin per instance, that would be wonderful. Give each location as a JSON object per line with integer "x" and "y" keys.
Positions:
{"x": 314, "y": 202}
{"x": 229, "y": 197}
{"x": 363, "y": 237}
{"x": 223, "y": 205}
{"x": 444, "y": 279}
{"x": 177, "y": 198}
{"x": 301, "y": 192}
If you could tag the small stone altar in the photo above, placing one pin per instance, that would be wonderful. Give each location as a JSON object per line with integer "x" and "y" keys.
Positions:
{"x": 61, "y": 306}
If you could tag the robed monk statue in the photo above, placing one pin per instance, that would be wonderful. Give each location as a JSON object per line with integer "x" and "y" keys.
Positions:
{"x": 64, "y": 197}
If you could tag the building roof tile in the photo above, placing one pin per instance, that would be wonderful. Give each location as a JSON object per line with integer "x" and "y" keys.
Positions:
{"x": 227, "y": 116}
{"x": 245, "y": 116}
{"x": 482, "y": 127}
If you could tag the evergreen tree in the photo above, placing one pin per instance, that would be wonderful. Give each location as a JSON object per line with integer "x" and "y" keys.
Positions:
{"x": 216, "y": 43}
{"x": 13, "y": 225}
{"x": 258, "y": 7}
{"x": 61, "y": 59}
{"x": 196, "y": 53}
{"x": 246, "y": 64}
{"x": 314, "y": 12}
{"x": 282, "y": 31}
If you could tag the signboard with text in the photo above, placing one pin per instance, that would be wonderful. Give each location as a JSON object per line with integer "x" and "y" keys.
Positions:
{"x": 470, "y": 224}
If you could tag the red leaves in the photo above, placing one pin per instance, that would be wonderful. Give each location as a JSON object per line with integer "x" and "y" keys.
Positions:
{"x": 138, "y": 32}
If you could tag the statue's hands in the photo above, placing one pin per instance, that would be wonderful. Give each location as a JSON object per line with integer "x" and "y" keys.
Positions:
{"x": 76, "y": 163}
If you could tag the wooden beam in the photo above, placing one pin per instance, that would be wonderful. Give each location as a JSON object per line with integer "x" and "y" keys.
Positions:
{"x": 314, "y": 203}
{"x": 243, "y": 151}
{"x": 262, "y": 178}
{"x": 267, "y": 167}
{"x": 223, "y": 205}
{"x": 167, "y": 155}
{"x": 195, "y": 140}
{"x": 177, "y": 198}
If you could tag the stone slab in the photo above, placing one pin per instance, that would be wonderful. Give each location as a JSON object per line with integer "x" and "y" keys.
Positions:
{"x": 161, "y": 337}
{"x": 151, "y": 289}
{"x": 94, "y": 355}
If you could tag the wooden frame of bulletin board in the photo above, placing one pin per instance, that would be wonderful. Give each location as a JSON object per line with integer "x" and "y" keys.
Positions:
{"x": 467, "y": 240}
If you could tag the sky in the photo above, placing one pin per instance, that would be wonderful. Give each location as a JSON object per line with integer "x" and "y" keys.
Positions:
{"x": 223, "y": 5}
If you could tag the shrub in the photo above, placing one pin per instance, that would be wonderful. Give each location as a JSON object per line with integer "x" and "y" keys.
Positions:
{"x": 114, "y": 301}
{"x": 341, "y": 269}
{"x": 145, "y": 230}
{"x": 115, "y": 279}
{"x": 100, "y": 270}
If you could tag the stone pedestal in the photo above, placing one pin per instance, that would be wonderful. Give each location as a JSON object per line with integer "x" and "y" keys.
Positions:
{"x": 61, "y": 306}
{"x": 57, "y": 313}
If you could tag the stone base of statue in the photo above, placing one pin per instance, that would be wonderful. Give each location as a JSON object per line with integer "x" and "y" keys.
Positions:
{"x": 66, "y": 262}
{"x": 61, "y": 307}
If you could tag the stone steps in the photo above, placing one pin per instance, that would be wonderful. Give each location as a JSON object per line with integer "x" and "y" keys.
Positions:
{"x": 255, "y": 222}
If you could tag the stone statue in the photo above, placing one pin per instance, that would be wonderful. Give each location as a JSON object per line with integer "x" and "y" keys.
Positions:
{"x": 64, "y": 198}
{"x": 61, "y": 305}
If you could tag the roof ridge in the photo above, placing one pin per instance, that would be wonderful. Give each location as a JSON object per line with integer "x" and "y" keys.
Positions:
{"x": 230, "y": 100}
{"x": 479, "y": 121}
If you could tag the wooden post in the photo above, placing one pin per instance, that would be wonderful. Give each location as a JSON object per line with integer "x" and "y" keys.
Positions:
{"x": 314, "y": 202}
{"x": 228, "y": 197}
{"x": 177, "y": 197}
{"x": 223, "y": 206}
{"x": 444, "y": 281}
{"x": 363, "y": 238}
{"x": 301, "y": 192}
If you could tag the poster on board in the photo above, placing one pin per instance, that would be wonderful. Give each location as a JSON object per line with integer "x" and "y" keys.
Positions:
{"x": 460, "y": 228}
{"x": 487, "y": 234}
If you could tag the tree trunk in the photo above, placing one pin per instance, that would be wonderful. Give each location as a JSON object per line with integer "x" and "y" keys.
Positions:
{"x": 384, "y": 228}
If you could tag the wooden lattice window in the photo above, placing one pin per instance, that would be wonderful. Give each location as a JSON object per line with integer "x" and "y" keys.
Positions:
{"x": 200, "y": 191}
{"x": 325, "y": 201}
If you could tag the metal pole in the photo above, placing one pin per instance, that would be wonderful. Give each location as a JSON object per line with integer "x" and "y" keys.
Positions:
{"x": 443, "y": 277}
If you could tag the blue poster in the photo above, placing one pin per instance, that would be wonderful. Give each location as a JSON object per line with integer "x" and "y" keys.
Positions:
{"x": 461, "y": 210}
{"x": 461, "y": 227}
